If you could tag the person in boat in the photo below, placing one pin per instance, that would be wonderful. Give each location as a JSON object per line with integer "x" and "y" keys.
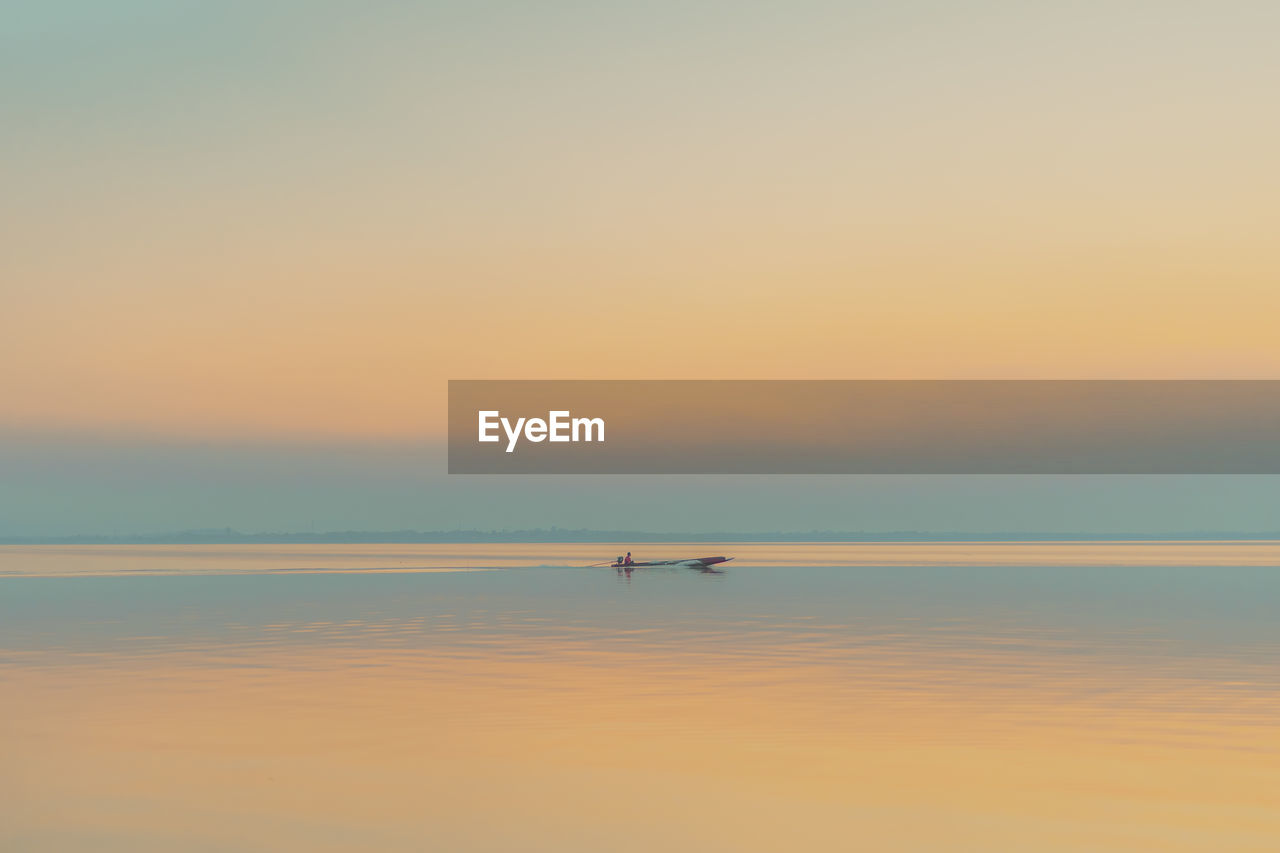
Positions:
{"x": 628, "y": 560}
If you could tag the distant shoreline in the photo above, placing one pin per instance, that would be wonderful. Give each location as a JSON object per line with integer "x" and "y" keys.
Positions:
{"x": 558, "y": 535}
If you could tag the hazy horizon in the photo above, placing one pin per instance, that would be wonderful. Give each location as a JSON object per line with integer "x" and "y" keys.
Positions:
{"x": 112, "y": 486}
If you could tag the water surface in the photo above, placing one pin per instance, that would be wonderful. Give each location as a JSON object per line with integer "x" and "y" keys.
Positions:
{"x": 1068, "y": 696}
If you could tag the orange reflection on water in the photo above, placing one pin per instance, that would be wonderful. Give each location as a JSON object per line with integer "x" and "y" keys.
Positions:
{"x": 975, "y": 696}
{"x": 562, "y": 748}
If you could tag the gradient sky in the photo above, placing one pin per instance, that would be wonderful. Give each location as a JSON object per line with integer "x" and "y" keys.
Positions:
{"x": 244, "y": 225}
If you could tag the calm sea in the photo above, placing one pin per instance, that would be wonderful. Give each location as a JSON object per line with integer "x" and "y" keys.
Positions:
{"x": 908, "y": 696}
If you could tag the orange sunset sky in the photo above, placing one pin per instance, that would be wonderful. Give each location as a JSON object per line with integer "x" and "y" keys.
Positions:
{"x": 226, "y": 223}
{"x": 246, "y": 245}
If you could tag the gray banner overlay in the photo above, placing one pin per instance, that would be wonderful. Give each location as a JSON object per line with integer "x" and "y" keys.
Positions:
{"x": 864, "y": 427}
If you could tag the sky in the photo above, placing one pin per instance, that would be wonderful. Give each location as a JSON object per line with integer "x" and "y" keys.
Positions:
{"x": 245, "y": 245}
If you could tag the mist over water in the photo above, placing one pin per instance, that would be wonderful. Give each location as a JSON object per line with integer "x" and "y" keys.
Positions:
{"x": 1097, "y": 695}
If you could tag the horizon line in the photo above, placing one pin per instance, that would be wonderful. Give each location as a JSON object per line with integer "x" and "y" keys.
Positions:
{"x": 227, "y": 535}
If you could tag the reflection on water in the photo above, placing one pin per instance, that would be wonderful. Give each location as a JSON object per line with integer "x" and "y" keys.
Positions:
{"x": 810, "y": 702}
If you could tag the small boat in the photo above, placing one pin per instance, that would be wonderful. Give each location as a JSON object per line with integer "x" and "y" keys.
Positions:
{"x": 690, "y": 563}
